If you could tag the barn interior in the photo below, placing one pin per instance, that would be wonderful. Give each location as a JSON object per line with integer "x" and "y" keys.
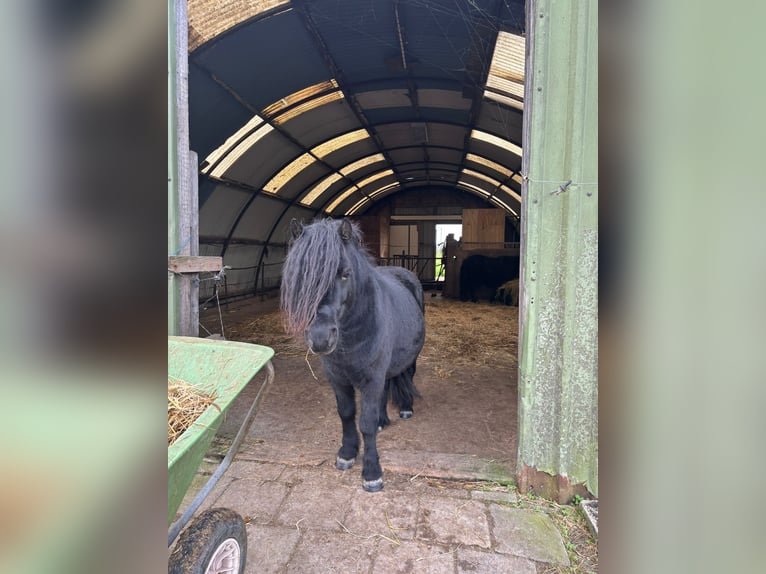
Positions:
{"x": 402, "y": 115}
{"x": 406, "y": 116}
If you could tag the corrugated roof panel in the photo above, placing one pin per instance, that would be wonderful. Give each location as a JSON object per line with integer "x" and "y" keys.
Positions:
{"x": 502, "y": 204}
{"x": 509, "y": 57}
{"x": 506, "y": 70}
{"x": 210, "y": 18}
{"x": 323, "y": 123}
{"x": 359, "y": 204}
{"x": 496, "y": 141}
{"x": 472, "y": 187}
{"x": 342, "y": 197}
{"x": 341, "y": 141}
{"x": 255, "y": 167}
{"x": 443, "y": 175}
{"x": 485, "y": 178}
{"x": 498, "y": 119}
{"x": 319, "y": 189}
{"x": 240, "y": 149}
{"x": 280, "y": 180}
{"x": 210, "y": 100}
{"x": 395, "y": 135}
{"x": 307, "y": 106}
{"x": 448, "y": 99}
{"x": 361, "y": 36}
{"x": 306, "y": 93}
{"x": 364, "y": 162}
{"x": 507, "y": 100}
{"x": 488, "y": 163}
{"x": 447, "y": 135}
{"x": 217, "y": 216}
{"x": 416, "y": 172}
{"x": 231, "y": 141}
{"x": 253, "y": 224}
{"x": 378, "y": 99}
{"x": 349, "y": 154}
{"x": 383, "y": 189}
{"x": 510, "y": 192}
{"x": 437, "y": 154}
{"x": 407, "y": 155}
{"x": 251, "y": 60}
{"x": 374, "y": 177}
{"x": 506, "y": 87}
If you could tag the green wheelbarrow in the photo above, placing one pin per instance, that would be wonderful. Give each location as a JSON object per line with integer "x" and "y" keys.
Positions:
{"x": 215, "y": 541}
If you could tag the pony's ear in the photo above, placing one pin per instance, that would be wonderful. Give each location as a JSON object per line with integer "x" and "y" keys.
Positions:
{"x": 296, "y": 228}
{"x": 345, "y": 230}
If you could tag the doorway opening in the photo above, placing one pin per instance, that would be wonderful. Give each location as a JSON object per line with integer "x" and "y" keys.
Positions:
{"x": 442, "y": 231}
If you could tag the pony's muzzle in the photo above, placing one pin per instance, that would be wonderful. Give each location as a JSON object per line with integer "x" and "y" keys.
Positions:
{"x": 322, "y": 341}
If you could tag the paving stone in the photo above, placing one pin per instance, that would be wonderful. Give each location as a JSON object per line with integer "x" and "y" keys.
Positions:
{"x": 428, "y": 487}
{"x": 254, "y": 498}
{"x": 316, "y": 503}
{"x": 453, "y": 521}
{"x": 413, "y": 557}
{"x": 269, "y": 548}
{"x": 210, "y": 501}
{"x": 528, "y": 534}
{"x": 255, "y": 470}
{"x": 494, "y": 496}
{"x": 322, "y": 552}
{"x": 370, "y": 514}
{"x": 480, "y": 562}
{"x": 328, "y": 474}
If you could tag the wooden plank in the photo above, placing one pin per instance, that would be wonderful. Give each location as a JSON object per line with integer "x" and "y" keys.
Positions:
{"x": 195, "y": 264}
{"x": 483, "y": 228}
{"x": 193, "y": 317}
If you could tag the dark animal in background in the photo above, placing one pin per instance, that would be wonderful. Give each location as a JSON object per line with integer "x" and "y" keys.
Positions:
{"x": 508, "y": 293}
{"x": 367, "y": 323}
{"x": 481, "y": 275}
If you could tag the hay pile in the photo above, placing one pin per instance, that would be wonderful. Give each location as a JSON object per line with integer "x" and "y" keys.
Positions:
{"x": 469, "y": 334}
{"x": 267, "y": 330}
{"x": 457, "y": 334}
{"x": 185, "y": 405}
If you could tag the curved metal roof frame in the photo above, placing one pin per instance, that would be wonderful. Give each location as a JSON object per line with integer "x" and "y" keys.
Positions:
{"x": 300, "y": 108}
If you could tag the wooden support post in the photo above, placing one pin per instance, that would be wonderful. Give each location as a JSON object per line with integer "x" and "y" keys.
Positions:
{"x": 183, "y": 202}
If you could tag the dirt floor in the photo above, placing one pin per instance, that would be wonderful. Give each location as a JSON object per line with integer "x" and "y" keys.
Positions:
{"x": 464, "y": 425}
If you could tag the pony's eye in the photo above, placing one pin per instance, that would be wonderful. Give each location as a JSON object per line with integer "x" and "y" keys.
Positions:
{"x": 344, "y": 275}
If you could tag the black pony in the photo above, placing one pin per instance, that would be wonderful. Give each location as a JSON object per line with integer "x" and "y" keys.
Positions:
{"x": 366, "y": 322}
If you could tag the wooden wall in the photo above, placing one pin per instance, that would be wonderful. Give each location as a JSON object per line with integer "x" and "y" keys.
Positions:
{"x": 483, "y": 228}
{"x": 370, "y": 226}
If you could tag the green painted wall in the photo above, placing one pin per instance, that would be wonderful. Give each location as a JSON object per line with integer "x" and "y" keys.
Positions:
{"x": 558, "y": 373}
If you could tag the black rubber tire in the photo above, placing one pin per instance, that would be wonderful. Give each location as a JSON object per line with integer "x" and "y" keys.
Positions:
{"x": 198, "y": 543}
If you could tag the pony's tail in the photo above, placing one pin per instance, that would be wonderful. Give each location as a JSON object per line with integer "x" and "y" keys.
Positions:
{"x": 402, "y": 391}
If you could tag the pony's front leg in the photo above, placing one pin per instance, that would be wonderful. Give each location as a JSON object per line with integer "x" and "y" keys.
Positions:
{"x": 344, "y": 397}
{"x": 372, "y": 473}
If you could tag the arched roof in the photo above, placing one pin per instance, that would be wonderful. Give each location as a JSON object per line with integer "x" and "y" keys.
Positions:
{"x": 302, "y": 108}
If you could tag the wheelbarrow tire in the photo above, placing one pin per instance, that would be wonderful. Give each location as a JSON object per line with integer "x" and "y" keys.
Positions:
{"x": 214, "y": 543}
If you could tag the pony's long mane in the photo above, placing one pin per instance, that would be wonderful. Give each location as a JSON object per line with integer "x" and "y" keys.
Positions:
{"x": 310, "y": 268}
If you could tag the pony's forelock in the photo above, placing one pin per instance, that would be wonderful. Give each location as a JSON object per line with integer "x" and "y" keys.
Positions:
{"x": 310, "y": 268}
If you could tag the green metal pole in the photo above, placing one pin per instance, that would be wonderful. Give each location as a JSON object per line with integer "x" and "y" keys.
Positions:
{"x": 558, "y": 367}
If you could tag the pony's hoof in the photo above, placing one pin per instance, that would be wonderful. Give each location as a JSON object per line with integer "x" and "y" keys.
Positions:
{"x": 373, "y": 485}
{"x": 344, "y": 463}
{"x": 405, "y": 414}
